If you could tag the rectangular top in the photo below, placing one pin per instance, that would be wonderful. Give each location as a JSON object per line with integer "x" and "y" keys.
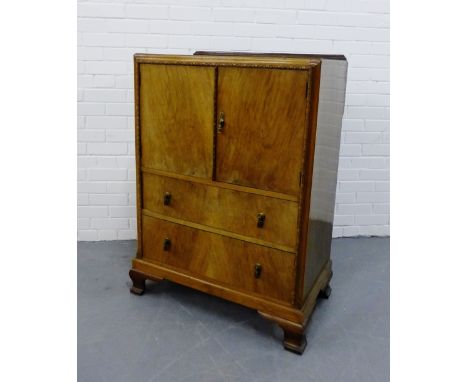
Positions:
{"x": 263, "y": 54}
{"x": 242, "y": 61}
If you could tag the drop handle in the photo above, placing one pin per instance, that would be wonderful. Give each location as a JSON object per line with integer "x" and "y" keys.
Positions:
{"x": 167, "y": 198}
{"x": 221, "y": 122}
{"x": 167, "y": 244}
{"x": 257, "y": 270}
{"x": 261, "y": 220}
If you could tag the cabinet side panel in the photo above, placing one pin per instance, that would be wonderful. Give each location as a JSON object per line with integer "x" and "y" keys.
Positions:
{"x": 325, "y": 169}
{"x": 136, "y": 78}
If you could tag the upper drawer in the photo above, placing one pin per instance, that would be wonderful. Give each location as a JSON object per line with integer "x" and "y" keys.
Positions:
{"x": 222, "y": 208}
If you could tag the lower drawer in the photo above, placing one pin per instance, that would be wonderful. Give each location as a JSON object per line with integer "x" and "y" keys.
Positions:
{"x": 232, "y": 262}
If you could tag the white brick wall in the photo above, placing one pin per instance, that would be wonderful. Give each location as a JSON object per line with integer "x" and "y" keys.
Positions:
{"x": 109, "y": 32}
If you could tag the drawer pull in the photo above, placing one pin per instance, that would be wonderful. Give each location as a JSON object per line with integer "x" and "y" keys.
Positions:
{"x": 167, "y": 198}
{"x": 258, "y": 270}
{"x": 221, "y": 122}
{"x": 167, "y": 244}
{"x": 260, "y": 220}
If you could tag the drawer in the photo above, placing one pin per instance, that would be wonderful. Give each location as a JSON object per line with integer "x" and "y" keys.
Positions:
{"x": 229, "y": 210}
{"x": 238, "y": 264}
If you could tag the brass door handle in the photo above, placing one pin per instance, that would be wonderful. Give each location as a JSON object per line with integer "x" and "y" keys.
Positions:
{"x": 167, "y": 244}
{"x": 221, "y": 122}
{"x": 167, "y": 198}
{"x": 257, "y": 270}
{"x": 261, "y": 220}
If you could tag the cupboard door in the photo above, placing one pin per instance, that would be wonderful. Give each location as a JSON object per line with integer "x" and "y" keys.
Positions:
{"x": 261, "y": 124}
{"x": 177, "y": 118}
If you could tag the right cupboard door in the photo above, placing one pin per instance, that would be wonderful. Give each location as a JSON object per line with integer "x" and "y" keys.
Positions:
{"x": 260, "y": 128}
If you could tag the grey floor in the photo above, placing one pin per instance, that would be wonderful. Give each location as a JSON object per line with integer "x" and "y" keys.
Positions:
{"x": 173, "y": 333}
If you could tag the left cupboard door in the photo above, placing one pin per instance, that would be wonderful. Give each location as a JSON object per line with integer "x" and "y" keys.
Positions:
{"x": 177, "y": 118}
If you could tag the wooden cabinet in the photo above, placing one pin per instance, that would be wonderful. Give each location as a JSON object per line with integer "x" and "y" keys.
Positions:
{"x": 237, "y": 156}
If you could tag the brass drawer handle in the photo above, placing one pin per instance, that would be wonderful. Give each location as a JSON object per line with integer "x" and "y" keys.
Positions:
{"x": 167, "y": 198}
{"x": 257, "y": 270}
{"x": 261, "y": 220}
{"x": 167, "y": 244}
{"x": 221, "y": 122}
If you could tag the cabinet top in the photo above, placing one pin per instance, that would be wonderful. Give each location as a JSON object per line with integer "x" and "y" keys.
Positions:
{"x": 219, "y": 60}
{"x": 263, "y": 54}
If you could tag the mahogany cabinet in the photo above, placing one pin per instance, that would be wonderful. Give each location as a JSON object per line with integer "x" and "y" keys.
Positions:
{"x": 236, "y": 163}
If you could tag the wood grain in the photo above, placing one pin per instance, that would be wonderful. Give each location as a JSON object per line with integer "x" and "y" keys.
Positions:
{"x": 229, "y": 210}
{"x": 289, "y": 63}
{"x": 227, "y": 186}
{"x": 220, "y": 258}
{"x": 270, "y": 55}
{"x": 261, "y": 143}
{"x": 219, "y": 231}
{"x": 176, "y": 118}
{"x": 136, "y": 79}
{"x": 215, "y": 288}
{"x": 309, "y": 155}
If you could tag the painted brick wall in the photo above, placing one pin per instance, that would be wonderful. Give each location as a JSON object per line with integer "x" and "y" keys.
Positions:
{"x": 110, "y": 32}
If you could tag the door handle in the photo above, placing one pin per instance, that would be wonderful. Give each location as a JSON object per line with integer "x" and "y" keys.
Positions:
{"x": 221, "y": 122}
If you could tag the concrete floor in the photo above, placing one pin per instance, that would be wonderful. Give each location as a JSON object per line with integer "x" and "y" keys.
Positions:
{"x": 173, "y": 333}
